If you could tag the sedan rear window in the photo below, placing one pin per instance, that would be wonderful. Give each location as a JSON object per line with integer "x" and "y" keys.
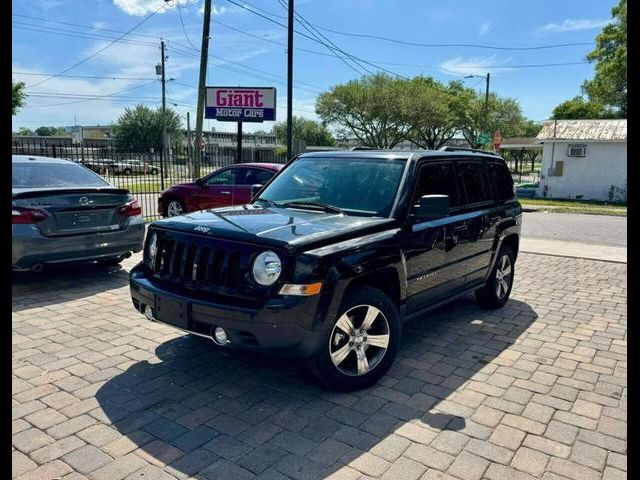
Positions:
{"x": 50, "y": 175}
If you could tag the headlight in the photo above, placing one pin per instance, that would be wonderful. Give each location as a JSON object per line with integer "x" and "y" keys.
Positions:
{"x": 266, "y": 268}
{"x": 152, "y": 249}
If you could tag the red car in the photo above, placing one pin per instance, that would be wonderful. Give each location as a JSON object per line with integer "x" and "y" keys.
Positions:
{"x": 224, "y": 187}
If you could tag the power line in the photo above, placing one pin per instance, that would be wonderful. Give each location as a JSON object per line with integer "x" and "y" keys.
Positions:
{"x": 84, "y": 76}
{"x": 184, "y": 30}
{"x": 353, "y": 57}
{"x": 71, "y": 33}
{"x": 331, "y": 46}
{"x": 90, "y": 27}
{"x": 260, "y": 74}
{"x": 97, "y": 97}
{"x": 86, "y": 59}
{"x": 418, "y": 44}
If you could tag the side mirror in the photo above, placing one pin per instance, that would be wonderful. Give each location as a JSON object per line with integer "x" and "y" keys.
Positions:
{"x": 255, "y": 189}
{"x": 432, "y": 207}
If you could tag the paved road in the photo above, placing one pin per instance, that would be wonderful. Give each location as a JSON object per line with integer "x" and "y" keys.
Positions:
{"x": 594, "y": 229}
{"x": 534, "y": 390}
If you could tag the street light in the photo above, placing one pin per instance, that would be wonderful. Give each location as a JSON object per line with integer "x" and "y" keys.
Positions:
{"x": 486, "y": 98}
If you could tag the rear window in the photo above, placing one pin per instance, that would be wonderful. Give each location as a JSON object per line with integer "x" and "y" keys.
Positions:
{"x": 502, "y": 181}
{"x": 51, "y": 175}
{"x": 474, "y": 182}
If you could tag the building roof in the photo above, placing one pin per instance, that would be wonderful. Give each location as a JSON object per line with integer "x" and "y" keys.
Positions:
{"x": 594, "y": 130}
{"x": 516, "y": 143}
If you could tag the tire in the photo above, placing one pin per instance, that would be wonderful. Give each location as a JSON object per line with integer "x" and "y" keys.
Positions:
{"x": 495, "y": 292}
{"x": 352, "y": 373}
{"x": 154, "y": 171}
{"x": 174, "y": 208}
{"x": 127, "y": 171}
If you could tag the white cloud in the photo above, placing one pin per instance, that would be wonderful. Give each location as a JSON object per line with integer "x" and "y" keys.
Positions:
{"x": 473, "y": 66}
{"x": 140, "y": 7}
{"x": 572, "y": 25}
{"x": 484, "y": 28}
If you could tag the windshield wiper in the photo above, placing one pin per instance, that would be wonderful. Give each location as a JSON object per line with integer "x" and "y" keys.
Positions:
{"x": 267, "y": 201}
{"x": 324, "y": 206}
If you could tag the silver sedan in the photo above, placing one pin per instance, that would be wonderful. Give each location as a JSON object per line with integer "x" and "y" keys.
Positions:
{"x": 63, "y": 212}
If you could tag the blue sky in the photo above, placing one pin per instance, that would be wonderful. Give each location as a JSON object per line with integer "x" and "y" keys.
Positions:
{"x": 50, "y": 36}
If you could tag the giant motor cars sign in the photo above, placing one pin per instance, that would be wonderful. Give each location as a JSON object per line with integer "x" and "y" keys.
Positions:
{"x": 240, "y": 104}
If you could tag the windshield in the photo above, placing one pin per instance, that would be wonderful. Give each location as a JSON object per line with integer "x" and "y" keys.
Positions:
{"x": 44, "y": 175}
{"x": 355, "y": 185}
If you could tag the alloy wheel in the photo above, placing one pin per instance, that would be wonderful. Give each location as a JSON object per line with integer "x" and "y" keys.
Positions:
{"x": 504, "y": 276}
{"x": 174, "y": 208}
{"x": 359, "y": 340}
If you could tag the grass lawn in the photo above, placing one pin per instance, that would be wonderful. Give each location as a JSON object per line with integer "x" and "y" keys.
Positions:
{"x": 576, "y": 206}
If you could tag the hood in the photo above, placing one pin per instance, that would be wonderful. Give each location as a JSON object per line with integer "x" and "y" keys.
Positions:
{"x": 284, "y": 227}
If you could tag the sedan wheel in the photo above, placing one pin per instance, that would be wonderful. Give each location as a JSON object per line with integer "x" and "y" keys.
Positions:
{"x": 174, "y": 208}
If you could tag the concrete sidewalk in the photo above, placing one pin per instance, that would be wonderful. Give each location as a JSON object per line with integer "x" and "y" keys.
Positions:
{"x": 574, "y": 249}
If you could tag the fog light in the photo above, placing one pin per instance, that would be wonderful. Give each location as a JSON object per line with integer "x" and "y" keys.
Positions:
{"x": 220, "y": 336}
{"x": 148, "y": 312}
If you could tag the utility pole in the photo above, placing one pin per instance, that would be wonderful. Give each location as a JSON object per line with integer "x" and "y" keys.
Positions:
{"x": 290, "y": 82}
{"x": 204, "y": 54}
{"x": 163, "y": 152}
{"x": 189, "y": 157}
{"x": 486, "y": 105}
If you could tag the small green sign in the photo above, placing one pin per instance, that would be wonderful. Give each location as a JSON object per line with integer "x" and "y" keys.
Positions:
{"x": 484, "y": 138}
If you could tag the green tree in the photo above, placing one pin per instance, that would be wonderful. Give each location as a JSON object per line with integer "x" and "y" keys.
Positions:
{"x": 578, "y": 108}
{"x": 18, "y": 97}
{"x": 435, "y": 111}
{"x": 504, "y": 114}
{"x": 374, "y": 109}
{"x": 311, "y": 132}
{"x": 529, "y": 128}
{"x": 24, "y": 132}
{"x": 139, "y": 129}
{"x": 48, "y": 131}
{"x": 609, "y": 85}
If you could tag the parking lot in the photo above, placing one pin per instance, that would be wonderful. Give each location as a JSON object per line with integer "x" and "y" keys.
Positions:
{"x": 534, "y": 390}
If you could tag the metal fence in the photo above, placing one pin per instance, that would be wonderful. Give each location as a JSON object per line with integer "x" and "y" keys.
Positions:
{"x": 144, "y": 174}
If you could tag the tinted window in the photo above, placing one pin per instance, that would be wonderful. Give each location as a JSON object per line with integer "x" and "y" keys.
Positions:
{"x": 437, "y": 178}
{"x": 253, "y": 176}
{"x": 502, "y": 181}
{"x": 45, "y": 175}
{"x": 473, "y": 181}
{"x": 225, "y": 177}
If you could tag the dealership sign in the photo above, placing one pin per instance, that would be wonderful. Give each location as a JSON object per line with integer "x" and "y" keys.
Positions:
{"x": 240, "y": 104}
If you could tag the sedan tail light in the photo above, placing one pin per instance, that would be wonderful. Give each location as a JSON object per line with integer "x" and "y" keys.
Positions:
{"x": 131, "y": 209}
{"x": 23, "y": 215}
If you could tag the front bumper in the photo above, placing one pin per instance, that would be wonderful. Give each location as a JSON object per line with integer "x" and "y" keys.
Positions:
{"x": 285, "y": 326}
{"x": 29, "y": 247}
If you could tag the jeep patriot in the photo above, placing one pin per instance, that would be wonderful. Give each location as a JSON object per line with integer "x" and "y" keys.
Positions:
{"x": 334, "y": 254}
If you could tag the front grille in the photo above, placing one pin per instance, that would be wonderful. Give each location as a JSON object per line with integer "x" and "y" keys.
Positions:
{"x": 205, "y": 263}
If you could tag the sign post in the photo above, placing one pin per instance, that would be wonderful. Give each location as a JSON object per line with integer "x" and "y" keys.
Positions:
{"x": 240, "y": 104}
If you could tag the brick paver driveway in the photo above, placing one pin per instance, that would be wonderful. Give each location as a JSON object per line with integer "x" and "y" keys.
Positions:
{"x": 535, "y": 390}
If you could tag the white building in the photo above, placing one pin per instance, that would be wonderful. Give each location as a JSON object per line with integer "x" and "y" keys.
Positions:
{"x": 584, "y": 159}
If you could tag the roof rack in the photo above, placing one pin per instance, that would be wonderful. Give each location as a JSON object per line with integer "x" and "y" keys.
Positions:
{"x": 447, "y": 148}
{"x": 361, "y": 148}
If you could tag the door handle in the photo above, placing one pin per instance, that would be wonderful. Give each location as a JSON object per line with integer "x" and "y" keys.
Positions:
{"x": 496, "y": 218}
{"x": 459, "y": 228}
{"x": 225, "y": 193}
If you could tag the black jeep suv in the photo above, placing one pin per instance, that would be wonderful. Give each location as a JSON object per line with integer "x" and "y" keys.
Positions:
{"x": 334, "y": 254}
